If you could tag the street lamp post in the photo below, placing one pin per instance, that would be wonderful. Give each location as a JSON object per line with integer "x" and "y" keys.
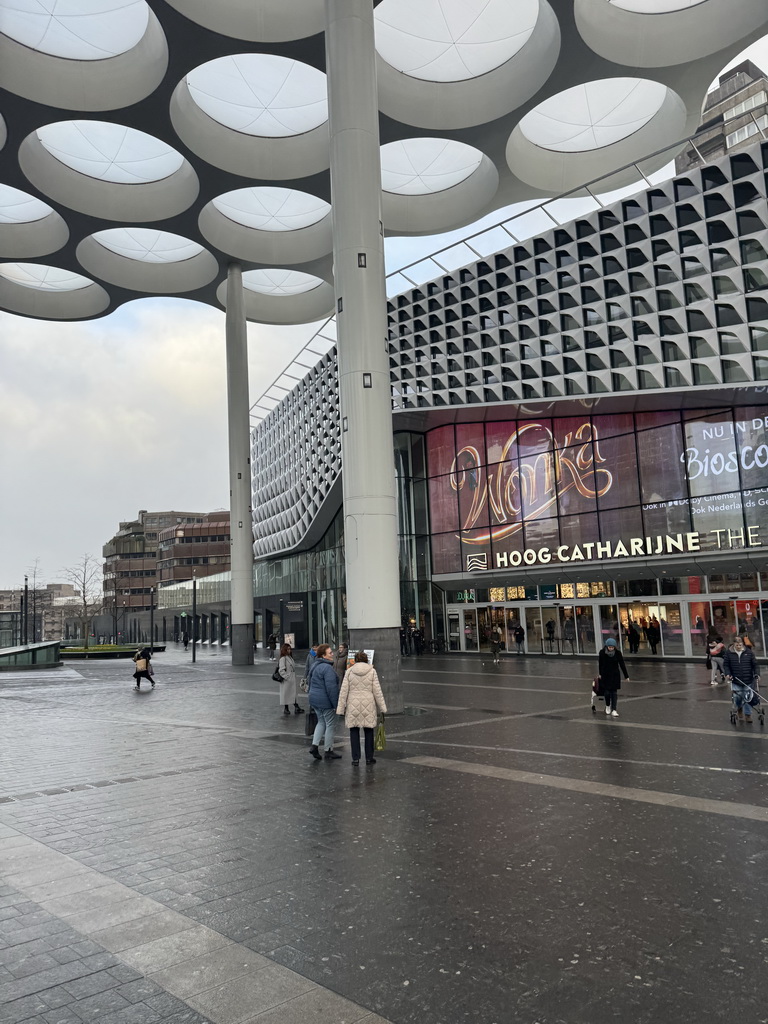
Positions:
{"x": 282, "y": 634}
{"x": 151, "y": 618}
{"x": 194, "y": 616}
{"x": 21, "y": 618}
{"x": 26, "y": 610}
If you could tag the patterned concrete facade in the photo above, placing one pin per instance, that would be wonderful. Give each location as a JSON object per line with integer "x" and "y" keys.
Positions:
{"x": 665, "y": 290}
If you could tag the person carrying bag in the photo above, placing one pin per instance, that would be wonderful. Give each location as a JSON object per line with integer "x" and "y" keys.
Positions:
{"x": 143, "y": 669}
{"x": 359, "y": 699}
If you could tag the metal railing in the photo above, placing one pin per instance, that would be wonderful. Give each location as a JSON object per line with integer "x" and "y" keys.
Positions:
{"x": 536, "y": 218}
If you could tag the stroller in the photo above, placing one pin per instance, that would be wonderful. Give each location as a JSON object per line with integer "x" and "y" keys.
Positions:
{"x": 753, "y": 699}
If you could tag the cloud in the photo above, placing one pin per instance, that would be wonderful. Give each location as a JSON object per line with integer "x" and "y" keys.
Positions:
{"x": 101, "y": 419}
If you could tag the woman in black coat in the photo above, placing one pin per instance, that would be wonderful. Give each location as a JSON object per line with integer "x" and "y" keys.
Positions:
{"x": 143, "y": 671}
{"x": 611, "y": 667}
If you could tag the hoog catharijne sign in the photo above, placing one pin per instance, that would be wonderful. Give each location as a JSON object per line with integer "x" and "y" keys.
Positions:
{"x": 591, "y": 488}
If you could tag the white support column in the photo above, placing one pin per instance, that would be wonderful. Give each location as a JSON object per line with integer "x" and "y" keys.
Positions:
{"x": 370, "y": 493}
{"x": 241, "y": 528}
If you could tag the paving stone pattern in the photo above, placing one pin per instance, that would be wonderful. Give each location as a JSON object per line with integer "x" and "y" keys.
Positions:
{"x": 175, "y": 855}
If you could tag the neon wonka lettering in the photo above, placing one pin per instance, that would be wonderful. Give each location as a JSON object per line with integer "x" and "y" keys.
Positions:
{"x": 526, "y": 486}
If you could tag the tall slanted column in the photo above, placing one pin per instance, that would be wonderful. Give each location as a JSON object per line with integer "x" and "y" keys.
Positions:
{"x": 241, "y": 529}
{"x": 370, "y": 498}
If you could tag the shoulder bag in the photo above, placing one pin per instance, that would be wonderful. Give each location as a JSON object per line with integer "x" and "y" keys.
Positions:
{"x": 380, "y": 736}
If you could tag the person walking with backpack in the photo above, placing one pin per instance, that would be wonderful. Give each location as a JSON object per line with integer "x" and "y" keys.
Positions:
{"x": 272, "y": 646}
{"x": 323, "y": 698}
{"x": 286, "y": 670}
{"x": 740, "y": 666}
{"x": 610, "y": 668}
{"x": 359, "y": 698}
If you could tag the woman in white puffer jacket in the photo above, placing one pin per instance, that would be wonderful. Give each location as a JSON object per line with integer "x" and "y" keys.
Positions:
{"x": 359, "y": 698}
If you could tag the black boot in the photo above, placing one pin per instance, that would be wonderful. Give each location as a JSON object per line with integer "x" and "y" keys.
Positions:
{"x": 286, "y": 710}
{"x": 315, "y": 752}
{"x": 331, "y": 755}
{"x": 298, "y": 710}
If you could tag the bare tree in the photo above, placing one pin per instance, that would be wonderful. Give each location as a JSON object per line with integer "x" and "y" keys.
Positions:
{"x": 86, "y": 577}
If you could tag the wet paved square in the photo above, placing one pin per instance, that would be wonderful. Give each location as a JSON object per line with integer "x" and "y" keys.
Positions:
{"x": 175, "y": 855}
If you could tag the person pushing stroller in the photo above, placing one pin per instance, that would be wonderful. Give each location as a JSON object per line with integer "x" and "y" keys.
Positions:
{"x": 740, "y": 668}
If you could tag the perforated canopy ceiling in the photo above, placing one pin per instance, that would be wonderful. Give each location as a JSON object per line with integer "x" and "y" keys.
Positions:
{"x": 145, "y": 144}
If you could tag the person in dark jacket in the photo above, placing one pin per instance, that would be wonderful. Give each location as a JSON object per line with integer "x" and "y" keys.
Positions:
{"x": 272, "y": 645}
{"x": 519, "y": 635}
{"x": 143, "y": 671}
{"x": 633, "y": 637}
{"x": 323, "y": 697}
{"x": 340, "y": 659}
{"x": 740, "y": 666}
{"x": 653, "y": 634}
{"x": 610, "y": 668}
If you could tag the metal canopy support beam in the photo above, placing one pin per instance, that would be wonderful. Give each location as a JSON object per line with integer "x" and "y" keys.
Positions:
{"x": 368, "y": 476}
{"x": 241, "y": 530}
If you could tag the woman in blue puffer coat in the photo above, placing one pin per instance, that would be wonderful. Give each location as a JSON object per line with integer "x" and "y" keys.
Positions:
{"x": 323, "y": 697}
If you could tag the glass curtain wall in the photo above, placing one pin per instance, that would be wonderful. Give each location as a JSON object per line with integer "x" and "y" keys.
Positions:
{"x": 421, "y": 603}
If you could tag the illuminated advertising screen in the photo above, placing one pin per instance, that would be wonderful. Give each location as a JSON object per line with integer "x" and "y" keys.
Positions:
{"x": 590, "y": 488}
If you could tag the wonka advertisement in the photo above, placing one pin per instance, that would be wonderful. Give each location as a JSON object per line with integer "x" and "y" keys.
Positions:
{"x": 584, "y": 489}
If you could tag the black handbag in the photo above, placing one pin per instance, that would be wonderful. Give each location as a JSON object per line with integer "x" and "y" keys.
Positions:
{"x": 277, "y": 677}
{"x": 310, "y": 722}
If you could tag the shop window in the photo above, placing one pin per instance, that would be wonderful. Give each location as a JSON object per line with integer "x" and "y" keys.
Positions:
{"x": 732, "y": 583}
{"x": 683, "y": 584}
{"x": 636, "y": 588}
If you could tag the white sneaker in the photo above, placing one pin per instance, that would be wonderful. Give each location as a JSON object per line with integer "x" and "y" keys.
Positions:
{"x": 607, "y": 710}
{"x": 614, "y": 714}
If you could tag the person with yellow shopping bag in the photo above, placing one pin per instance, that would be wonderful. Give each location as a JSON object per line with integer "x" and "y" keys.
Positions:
{"x": 359, "y": 699}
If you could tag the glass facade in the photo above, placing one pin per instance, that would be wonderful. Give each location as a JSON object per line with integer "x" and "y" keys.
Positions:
{"x": 581, "y": 489}
{"x": 643, "y": 621}
{"x": 505, "y": 485}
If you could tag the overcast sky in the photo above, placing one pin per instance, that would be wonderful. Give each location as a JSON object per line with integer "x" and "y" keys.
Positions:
{"x": 101, "y": 419}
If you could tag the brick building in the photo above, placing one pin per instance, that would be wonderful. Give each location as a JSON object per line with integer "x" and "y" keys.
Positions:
{"x": 202, "y": 546}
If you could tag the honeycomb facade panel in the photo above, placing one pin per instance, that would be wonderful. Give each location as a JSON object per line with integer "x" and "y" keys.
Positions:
{"x": 653, "y": 300}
